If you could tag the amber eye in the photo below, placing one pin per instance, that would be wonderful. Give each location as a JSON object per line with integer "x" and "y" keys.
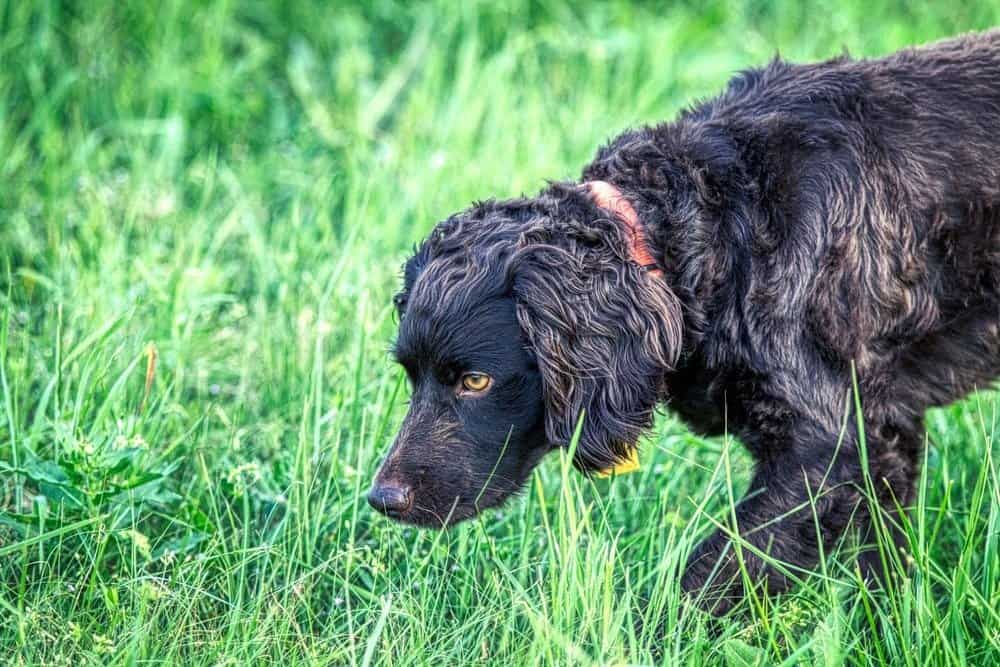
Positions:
{"x": 476, "y": 382}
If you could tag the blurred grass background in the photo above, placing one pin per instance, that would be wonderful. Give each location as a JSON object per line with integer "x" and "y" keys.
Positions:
{"x": 203, "y": 209}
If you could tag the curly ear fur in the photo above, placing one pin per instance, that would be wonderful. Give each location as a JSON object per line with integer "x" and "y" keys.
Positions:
{"x": 603, "y": 330}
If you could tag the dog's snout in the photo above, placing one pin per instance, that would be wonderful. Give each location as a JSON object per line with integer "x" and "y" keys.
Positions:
{"x": 393, "y": 500}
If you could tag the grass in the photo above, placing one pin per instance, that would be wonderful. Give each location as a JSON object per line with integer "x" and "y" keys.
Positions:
{"x": 203, "y": 208}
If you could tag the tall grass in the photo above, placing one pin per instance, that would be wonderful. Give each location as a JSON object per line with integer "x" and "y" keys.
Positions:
{"x": 203, "y": 207}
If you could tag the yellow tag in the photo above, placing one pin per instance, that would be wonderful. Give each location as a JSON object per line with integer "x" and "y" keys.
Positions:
{"x": 631, "y": 464}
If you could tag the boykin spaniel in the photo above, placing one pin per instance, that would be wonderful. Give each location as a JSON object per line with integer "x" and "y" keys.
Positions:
{"x": 811, "y": 228}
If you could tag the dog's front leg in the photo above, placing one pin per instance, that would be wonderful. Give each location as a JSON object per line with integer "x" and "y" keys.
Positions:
{"x": 799, "y": 502}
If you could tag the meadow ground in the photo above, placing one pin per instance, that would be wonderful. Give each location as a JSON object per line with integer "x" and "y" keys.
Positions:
{"x": 203, "y": 209}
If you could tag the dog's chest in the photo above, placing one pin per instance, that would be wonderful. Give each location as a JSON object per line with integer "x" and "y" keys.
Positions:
{"x": 696, "y": 395}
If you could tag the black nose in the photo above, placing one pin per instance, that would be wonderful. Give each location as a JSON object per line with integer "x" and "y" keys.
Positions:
{"x": 390, "y": 499}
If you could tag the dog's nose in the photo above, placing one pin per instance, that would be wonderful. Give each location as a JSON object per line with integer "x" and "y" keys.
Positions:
{"x": 391, "y": 499}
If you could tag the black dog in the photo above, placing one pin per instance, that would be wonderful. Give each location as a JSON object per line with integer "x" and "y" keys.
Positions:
{"x": 741, "y": 263}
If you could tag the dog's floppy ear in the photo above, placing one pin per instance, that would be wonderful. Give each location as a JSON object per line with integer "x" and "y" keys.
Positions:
{"x": 604, "y": 333}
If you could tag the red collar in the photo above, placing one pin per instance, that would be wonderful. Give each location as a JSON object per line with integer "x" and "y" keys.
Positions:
{"x": 611, "y": 199}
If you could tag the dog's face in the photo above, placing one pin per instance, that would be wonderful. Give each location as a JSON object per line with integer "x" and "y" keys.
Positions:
{"x": 475, "y": 426}
{"x": 516, "y": 320}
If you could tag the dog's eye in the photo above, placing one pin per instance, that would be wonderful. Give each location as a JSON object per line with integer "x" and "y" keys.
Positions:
{"x": 476, "y": 382}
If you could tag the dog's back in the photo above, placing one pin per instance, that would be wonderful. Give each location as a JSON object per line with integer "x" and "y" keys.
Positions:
{"x": 887, "y": 170}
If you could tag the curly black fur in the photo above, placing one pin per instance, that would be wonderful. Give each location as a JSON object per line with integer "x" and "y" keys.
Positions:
{"x": 810, "y": 220}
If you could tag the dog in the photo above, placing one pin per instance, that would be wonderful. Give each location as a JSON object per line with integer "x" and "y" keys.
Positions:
{"x": 817, "y": 238}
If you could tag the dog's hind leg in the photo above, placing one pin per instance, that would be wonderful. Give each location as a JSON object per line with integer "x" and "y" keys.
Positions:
{"x": 936, "y": 370}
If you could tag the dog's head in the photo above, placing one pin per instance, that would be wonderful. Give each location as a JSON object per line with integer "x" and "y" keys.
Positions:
{"x": 517, "y": 320}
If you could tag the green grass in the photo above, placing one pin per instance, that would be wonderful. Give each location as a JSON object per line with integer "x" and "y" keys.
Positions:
{"x": 203, "y": 208}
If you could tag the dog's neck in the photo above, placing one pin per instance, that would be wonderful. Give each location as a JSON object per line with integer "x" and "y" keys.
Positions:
{"x": 611, "y": 199}
{"x": 680, "y": 206}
